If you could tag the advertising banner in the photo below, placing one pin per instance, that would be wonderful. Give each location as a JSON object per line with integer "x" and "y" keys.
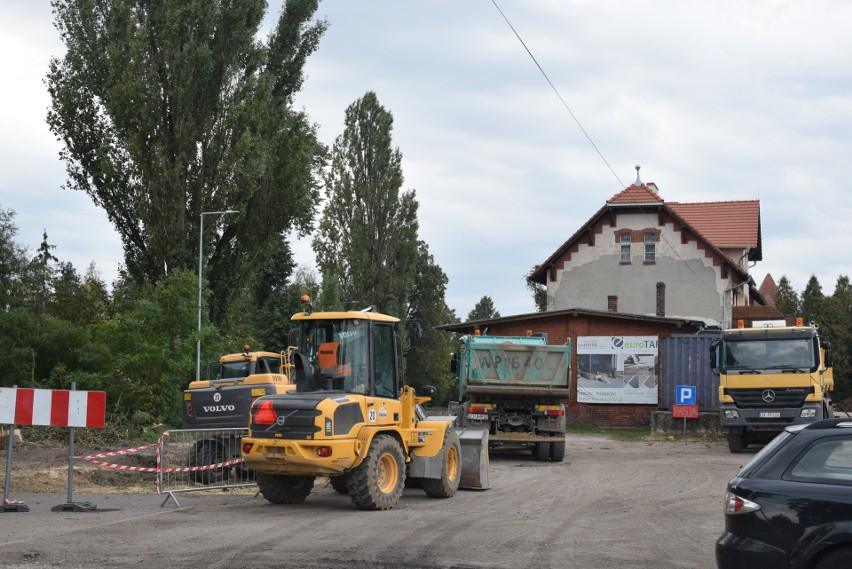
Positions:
{"x": 617, "y": 369}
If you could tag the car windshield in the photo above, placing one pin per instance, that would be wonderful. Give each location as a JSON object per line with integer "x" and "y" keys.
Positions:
{"x": 749, "y": 468}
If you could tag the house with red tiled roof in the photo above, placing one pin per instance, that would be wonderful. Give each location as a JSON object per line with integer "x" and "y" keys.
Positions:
{"x": 640, "y": 254}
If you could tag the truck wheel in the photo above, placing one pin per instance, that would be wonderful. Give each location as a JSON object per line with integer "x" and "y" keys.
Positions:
{"x": 448, "y": 483}
{"x": 557, "y": 451}
{"x": 339, "y": 484}
{"x": 376, "y": 483}
{"x": 541, "y": 451}
{"x": 206, "y": 453}
{"x": 284, "y": 489}
{"x": 736, "y": 442}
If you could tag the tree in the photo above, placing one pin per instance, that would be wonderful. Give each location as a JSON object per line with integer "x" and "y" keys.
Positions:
{"x": 537, "y": 290}
{"x": 786, "y": 299}
{"x": 169, "y": 109}
{"x": 428, "y": 358}
{"x": 13, "y": 259}
{"x": 368, "y": 230}
{"x": 484, "y": 310}
{"x": 813, "y": 301}
{"x": 837, "y": 328}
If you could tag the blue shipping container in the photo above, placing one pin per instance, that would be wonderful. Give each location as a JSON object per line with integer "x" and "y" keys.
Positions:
{"x": 685, "y": 360}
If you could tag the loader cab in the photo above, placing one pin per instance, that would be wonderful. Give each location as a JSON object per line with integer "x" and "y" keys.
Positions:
{"x": 353, "y": 352}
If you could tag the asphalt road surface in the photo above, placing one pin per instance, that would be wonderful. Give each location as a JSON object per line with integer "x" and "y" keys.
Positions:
{"x": 610, "y": 504}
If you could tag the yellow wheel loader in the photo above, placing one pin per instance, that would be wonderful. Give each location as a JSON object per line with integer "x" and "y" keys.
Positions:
{"x": 352, "y": 419}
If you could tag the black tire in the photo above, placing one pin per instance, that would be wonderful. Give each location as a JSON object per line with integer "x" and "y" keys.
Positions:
{"x": 448, "y": 483}
{"x": 557, "y": 451}
{"x": 377, "y": 483}
{"x": 284, "y": 489}
{"x": 339, "y": 484}
{"x": 837, "y": 559}
{"x": 541, "y": 451}
{"x": 206, "y": 453}
{"x": 736, "y": 442}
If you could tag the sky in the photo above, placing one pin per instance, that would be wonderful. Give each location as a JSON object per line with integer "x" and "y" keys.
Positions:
{"x": 716, "y": 100}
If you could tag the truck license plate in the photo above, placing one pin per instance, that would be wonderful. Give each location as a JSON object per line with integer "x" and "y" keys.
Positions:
{"x": 477, "y": 416}
{"x": 769, "y": 415}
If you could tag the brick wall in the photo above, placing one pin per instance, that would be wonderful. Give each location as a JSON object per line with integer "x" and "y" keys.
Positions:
{"x": 563, "y": 326}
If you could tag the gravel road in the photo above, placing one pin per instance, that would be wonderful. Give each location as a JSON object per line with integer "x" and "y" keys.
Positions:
{"x": 611, "y": 504}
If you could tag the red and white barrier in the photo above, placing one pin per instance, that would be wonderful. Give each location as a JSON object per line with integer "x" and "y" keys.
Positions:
{"x": 49, "y": 407}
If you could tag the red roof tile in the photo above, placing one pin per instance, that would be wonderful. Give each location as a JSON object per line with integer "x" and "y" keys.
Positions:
{"x": 768, "y": 289}
{"x": 724, "y": 224}
{"x": 637, "y": 194}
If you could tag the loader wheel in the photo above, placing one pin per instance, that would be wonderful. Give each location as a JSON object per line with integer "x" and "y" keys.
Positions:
{"x": 557, "y": 451}
{"x": 376, "y": 483}
{"x": 541, "y": 451}
{"x": 284, "y": 489}
{"x": 339, "y": 484}
{"x": 448, "y": 483}
{"x": 205, "y": 453}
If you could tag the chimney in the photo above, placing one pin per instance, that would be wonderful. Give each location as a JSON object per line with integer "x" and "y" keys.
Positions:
{"x": 661, "y": 299}
{"x": 612, "y": 303}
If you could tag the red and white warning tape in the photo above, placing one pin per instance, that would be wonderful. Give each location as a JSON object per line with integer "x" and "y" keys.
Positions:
{"x": 114, "y": 453}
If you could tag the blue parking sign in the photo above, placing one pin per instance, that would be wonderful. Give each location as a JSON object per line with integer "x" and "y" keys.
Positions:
{"x": 685, "y": 394}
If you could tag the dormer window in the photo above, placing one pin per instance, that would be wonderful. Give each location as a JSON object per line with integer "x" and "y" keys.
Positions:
{"x": 650, "y": 247}
{"x": 624, "y": 241}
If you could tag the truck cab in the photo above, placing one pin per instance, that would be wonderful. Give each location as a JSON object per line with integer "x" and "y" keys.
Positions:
{"x": 770, "y": 378}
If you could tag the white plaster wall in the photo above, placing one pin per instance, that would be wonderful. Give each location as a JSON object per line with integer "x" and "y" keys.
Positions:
{"x": 693, "y": 285}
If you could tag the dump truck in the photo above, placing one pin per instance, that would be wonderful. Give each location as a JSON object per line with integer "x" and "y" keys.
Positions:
{"x": 222, "y": 401}
{"x": 353, "y": 419}
{"x": 771, "y": 376}
{"x": 514, "y": 386}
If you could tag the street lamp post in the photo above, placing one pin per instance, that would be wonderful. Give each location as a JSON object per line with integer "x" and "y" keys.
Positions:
{"x": 200, "y": 257}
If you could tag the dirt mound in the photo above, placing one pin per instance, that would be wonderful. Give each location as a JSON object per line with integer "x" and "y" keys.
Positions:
{"x": 43, "y": 468}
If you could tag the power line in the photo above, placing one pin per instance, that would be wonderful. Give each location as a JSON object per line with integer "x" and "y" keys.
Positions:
{"x": 589, "y": 138}
{"x": 555, "y": 90}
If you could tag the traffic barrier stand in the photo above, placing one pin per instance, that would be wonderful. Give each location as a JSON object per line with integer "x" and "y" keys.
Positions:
{"x": 201, "y": 459}
{"x": 10, "y": 505}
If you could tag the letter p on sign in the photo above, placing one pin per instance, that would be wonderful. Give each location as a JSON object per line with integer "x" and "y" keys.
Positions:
{"x": 685, "y": 395}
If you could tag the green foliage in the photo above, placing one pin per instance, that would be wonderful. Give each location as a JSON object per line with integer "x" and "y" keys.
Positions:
{"x": 537, "y": 290}
{"x": 484, "y": 310}
{"x": 148, "y": 352}
{"x": 786, "y": 299}
{"x": 428, "y": 358}
{"x": 12, "y": 261}
{"x": 368, "y": 231}
{"x": 166, "y": 110}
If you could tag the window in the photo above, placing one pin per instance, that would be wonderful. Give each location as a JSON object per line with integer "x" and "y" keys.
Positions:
{"x": 650, "y": 247}
{"x": 625, "y": 247}
{"x": 385, "y": 358}
{"x": 827, "y": 460}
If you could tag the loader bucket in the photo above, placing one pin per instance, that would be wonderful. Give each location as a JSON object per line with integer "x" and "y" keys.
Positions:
{"x": 475, "y": 468}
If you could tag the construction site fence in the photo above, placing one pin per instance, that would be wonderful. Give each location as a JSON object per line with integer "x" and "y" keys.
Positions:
{"x": 200, "y": 459}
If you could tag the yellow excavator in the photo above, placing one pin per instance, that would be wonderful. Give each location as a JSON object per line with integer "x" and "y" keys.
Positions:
{"x": 352, "y": 419}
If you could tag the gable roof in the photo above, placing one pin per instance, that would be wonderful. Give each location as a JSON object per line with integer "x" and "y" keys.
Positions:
{"x": 734, "y": 224}
{"x": 718, "y": 219}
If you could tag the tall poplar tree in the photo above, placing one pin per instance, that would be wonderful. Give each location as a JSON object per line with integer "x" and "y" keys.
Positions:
{"x": 368, "y": 230}
{"x": 168, "y": 109}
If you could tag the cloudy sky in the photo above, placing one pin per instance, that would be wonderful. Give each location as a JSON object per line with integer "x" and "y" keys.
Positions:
{"x": 716, "y": 100}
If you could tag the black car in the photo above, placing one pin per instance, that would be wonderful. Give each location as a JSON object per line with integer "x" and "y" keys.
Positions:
{"x": 791, "y": 505}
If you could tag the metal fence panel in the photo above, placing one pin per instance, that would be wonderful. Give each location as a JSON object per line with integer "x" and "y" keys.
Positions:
{"x": 201, "y": 459}
{"x": 685, "y": 360}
